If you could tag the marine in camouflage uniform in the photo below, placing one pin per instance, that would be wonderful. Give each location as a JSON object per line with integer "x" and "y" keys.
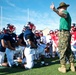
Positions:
{"x": 64, "y": 45}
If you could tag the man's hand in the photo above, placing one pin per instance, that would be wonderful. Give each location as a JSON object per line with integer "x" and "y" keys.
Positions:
{"x": 52, "y": 7}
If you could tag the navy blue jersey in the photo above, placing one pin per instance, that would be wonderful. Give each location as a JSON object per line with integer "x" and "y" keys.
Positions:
{"x": 4, "y": 37}
{"x": 21, "y": 37}
{"x": 12, "y": 41}
{"x": 28, "y": 34}
{"x": 13, "y": 35}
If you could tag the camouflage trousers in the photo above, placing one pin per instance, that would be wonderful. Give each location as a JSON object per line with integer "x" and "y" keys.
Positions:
{"x": 64, "y": 47}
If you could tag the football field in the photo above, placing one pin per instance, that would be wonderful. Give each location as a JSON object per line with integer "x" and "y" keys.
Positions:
{"x": 38, "y": 69}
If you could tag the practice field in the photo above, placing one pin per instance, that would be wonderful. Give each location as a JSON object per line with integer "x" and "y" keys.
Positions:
{"x": 51, "y": 69}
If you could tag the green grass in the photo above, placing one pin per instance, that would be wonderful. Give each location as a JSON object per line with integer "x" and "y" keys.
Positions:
{"x": 51, "y": 69}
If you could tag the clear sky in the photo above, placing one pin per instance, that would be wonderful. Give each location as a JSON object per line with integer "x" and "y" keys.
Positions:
{"x": 19, "y": 12}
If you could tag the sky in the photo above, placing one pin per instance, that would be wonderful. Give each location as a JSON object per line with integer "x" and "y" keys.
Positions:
{"x": 20, "y": 12}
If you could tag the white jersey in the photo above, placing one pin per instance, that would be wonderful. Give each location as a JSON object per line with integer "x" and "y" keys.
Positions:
{"x": 48, "y": 39}
{"x": 43, "y": 39}
{"x": 73, "y": 45}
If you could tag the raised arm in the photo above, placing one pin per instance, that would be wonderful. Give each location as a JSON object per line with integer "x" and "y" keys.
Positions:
{"x": 60, "y": 13}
